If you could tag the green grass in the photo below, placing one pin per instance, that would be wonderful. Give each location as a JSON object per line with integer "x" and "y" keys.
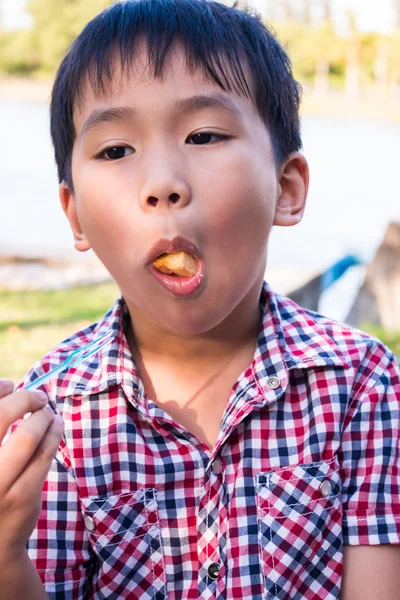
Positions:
{"x": 32, "y": 322}
{"x": 33, "y": 308}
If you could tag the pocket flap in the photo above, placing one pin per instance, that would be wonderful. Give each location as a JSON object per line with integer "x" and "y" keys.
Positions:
{"x": 112, "y": 517}
{"x": 299, "y": 488}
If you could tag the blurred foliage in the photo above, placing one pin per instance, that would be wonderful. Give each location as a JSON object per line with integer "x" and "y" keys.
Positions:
{"x": 321, "y": 57}
{"x": 56, "y": 24}
{"x": 390, "y": 339}
{"x": 17, "y": 56}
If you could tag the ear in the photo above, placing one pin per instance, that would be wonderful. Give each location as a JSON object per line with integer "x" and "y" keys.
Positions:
{"x": 68, "y": 204}
{"x": 293, "y": 189}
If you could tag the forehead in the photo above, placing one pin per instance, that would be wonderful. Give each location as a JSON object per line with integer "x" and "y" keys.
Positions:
{"x": 178, "y": 78}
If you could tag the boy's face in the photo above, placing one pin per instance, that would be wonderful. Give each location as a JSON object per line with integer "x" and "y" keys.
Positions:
{"x": 183, "y": 158}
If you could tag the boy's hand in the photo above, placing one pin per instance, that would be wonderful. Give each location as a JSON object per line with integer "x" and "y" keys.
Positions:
{"x": 25, "y": 459}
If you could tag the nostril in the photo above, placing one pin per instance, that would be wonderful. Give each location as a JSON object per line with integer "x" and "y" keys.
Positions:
{"x": 174, "y": 198}
{"x": 152, "y": 200}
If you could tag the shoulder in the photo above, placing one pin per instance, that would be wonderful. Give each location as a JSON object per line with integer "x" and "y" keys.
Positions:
{"x": 62, "y": 351}
{"x": 357, "y": 350}
{"x": 57, "y": 355}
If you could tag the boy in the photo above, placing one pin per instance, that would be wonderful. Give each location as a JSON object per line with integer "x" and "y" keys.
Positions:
{"x": 227, "y": 443}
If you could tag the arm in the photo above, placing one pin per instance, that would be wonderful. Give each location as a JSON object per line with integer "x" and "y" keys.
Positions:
{"x": 25, "y": 459}
{"x": 19, "y": 579}
{"x": 371, "y": 572}
{"x": 370, "y": 462}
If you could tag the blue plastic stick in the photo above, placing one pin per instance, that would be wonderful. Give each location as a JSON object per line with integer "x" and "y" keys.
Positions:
{"x": 73, "y": 360}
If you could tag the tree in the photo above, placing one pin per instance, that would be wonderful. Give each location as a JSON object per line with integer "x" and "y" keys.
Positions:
{"x": 396, "y": 6}
{"x": 352, "y": 59}
{"x": 304, "y": 11}
{"x": 313, "y": 49}
{"x": 17, "y": 56}
{"x": 280, "y": 10}
{"x": 56, "y": 24}
{"x": 326, "y": 10}
{"x": 307, "y": 12}
{"x": 327, "y": 50}
{"x": 394, "y": 62}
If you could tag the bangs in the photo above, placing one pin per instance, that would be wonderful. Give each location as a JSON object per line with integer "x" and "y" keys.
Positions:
{"x": 209, "y": 45}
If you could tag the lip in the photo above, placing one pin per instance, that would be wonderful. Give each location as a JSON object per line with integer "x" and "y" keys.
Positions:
{"x": 163, "y": 246}
{"x": 181, "y": 286}
{"x": 177, "y": 286}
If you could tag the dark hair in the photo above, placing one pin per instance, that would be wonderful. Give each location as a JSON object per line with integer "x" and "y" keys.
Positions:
{"x": 216, "y": 38}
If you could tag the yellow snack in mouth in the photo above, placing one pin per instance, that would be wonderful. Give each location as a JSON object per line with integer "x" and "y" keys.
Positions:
{"x": 180, "y": 264}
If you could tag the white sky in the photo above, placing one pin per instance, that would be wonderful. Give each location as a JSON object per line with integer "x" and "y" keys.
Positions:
{"x": 373, "y": 15}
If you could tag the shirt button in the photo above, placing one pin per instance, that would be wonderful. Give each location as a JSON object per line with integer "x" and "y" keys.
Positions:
{"x": 273, "y": 383}
{"x": 89, "y": 523}
{"x": 213, "y": 570}
{"x": 217, "y": 466}
{"x": 325, "y": 488}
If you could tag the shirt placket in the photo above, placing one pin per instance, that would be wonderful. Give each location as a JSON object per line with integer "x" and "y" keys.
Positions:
{"x": 212, "y": 520}
{"x": 211, "y": 527}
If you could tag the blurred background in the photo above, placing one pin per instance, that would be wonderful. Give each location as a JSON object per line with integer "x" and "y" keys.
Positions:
{"x": 343, "y": 259}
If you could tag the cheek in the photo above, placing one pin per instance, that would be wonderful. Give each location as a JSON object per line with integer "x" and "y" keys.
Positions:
{"x": 99, "y": 203}
{"x": 241, "y": 201}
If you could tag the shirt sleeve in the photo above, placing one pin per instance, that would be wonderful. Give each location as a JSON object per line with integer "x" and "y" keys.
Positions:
{"x": 370, "y": 459}
{"x": 59, "y": 546}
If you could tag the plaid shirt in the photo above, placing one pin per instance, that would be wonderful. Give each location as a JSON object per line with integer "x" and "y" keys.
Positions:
{"x": 307, "y": 459}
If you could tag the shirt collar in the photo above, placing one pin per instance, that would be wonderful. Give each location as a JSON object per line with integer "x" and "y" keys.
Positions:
{"x": 105, "y": 369}
{"x": 290, "y": 337}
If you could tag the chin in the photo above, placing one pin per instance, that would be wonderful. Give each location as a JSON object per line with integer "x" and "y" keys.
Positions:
{"x": 189, "y": 322}
{"x": 187, "y": 327}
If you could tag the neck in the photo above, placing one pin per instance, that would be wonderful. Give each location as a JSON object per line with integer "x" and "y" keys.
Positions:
{"x": 153, "y": 341}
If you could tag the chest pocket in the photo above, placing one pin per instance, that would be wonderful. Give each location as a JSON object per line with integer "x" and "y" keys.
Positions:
{"x": 125, "y": 535}
{"x": 300, "y": 531}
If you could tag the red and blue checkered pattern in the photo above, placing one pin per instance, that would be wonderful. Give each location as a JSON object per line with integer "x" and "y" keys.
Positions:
{"x": 309, "y": 461}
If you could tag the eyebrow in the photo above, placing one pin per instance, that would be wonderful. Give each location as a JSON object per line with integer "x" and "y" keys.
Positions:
{"x": 99, "y": 116}
{"x": 204, "y": 101}
{"x": 184, "y": 106}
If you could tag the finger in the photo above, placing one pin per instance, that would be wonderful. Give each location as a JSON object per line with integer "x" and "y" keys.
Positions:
{"x": 6, "y": 387}
{"x": 34, "y": 475}
{"x": 14, "y": 406}
{"x": 20, "y": 447}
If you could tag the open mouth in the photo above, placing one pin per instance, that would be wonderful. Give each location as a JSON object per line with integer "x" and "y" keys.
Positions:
{"x": 176, "y": 264}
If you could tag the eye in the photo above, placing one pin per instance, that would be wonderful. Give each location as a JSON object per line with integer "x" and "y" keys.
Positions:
{"x": 115, "y": 153}
{"x": 201, "y": 139}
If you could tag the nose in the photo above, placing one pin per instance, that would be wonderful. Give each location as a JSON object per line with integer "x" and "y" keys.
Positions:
{"x": 154, "y": 200}
{"x": 164, "y": 188}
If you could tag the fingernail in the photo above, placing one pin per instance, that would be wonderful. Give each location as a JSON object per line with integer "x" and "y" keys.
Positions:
{"x": 42, "y": 397}
{"x": 6, "y": 386}
{"x": 48, "y": 408}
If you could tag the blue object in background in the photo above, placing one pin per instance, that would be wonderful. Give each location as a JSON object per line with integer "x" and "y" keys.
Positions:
{"x": 338, "y": 269}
